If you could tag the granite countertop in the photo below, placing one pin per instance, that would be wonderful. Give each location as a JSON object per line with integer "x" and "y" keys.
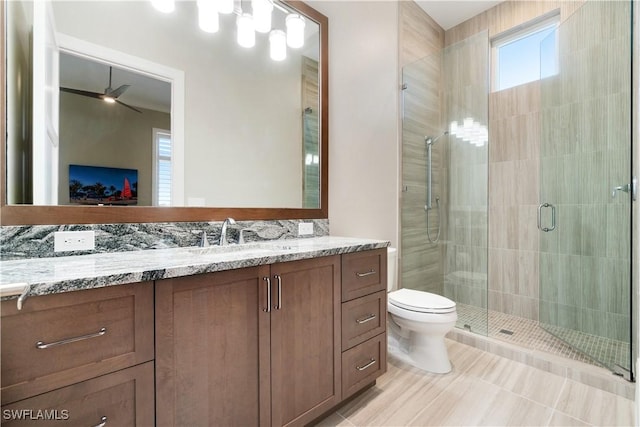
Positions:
{"x": 64, "y": 274}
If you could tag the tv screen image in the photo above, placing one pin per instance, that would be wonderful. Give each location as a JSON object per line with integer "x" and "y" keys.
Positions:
{"x": 97, "y": 185}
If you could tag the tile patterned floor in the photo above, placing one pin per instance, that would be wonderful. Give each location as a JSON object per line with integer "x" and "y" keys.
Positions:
{"x": 482, "y": 389}
{"x": 528, "y": 333}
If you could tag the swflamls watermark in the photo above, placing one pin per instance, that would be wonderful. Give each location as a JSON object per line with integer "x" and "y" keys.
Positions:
{"x": 35, "y": 414}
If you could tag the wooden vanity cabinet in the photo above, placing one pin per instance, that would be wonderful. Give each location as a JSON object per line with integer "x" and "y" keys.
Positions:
{"x": 364, "y": 319}
{"x": 62, "y": 339}
{"x": 224, "y": 356}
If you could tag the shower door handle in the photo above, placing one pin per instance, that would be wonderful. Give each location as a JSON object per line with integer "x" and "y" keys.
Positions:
{"x": 553, "y": 217}
{"x": 627, "y": 188}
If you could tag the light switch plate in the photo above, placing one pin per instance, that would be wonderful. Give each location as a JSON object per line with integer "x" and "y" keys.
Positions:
{"x": 305, "y": 228}
{"x": 74, "y": 241}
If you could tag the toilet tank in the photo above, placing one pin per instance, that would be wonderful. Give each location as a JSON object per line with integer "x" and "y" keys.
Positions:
{"x": 392, "y": 269}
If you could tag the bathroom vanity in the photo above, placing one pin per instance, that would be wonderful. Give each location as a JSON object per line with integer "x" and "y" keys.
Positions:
{"x": 267, "y": 335}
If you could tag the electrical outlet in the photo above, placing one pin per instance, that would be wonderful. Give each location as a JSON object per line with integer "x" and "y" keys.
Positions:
{"x": 74, "y": 241}
{"x": 305, "y": 228}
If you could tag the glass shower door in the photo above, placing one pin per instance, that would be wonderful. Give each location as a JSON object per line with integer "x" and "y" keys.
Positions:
{"x": 585, "y": 215}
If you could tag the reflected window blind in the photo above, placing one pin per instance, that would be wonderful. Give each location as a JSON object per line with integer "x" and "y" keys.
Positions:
{"x": 163, "y": 169}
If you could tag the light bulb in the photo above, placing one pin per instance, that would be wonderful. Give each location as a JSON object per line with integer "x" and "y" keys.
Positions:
{"x": 246, "y": 31}
{"x": 278, "y": 45}
{"x": 262, "y": 15}
{"x": 164, "y": 6}
{"x": 295, "y": 30}
{"x": 208, "y": 16}
{"x": 109, "y": 99}
{"x": 225, "y": 6}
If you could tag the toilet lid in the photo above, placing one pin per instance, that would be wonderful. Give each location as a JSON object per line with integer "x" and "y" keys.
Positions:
{"x": 424, "y": 302}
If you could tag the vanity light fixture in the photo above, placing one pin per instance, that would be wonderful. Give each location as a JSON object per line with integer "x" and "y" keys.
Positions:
{"x": 246, "y": 30}
{"x": 247, "y": 24}
{"x": 262, "y": 10}
{"x": 277, "y": 45}
{"x": 208, "y": 16}
{"x": 226, "y": 6}
{"x": 164, "y": 6}
{"x": 295, "y": 30}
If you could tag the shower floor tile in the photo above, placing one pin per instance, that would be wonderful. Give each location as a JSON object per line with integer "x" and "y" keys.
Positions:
{"x": 529, "y": 334}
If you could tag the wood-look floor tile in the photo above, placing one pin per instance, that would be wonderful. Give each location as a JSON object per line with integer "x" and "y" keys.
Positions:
{"x": 464, "y": 403}
{"x": 560, "y": 419}
{"x": 405, "y": 392}
{"x": 334, "y": 420}
{"x": 540, "y": 386}
{"x": 595, "y": 406}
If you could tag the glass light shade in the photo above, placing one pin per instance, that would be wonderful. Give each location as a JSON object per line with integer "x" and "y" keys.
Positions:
{"x": 164, "y": 6}
{"x": 262, "y": 10}
{"x": 208, "y": 16}
{"x": 295, "y": 30}
{"x": 246, "y": 31}
{"x": 278, "y": 45}
{"x": 225, "y": 6}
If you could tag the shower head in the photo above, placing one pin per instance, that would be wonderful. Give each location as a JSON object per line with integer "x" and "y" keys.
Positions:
{"x": 308, "y": 110}
{"x": 431, "y": 140}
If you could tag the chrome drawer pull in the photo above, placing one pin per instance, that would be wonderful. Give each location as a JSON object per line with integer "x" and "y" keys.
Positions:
{"x": 366, "y": 319}
{"x": 42, "y": 345}
{"x": 363, "y": 367}
{"x": 368, "y": 273}
{"x": 103, "y": 423}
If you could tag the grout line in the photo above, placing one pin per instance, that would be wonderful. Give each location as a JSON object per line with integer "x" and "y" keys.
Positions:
{"x": 555, "y": 405}
{"x": 344, "y": 418}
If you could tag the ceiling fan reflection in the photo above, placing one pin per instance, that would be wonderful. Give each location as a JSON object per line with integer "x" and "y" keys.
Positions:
{"x": 110, "y": 95}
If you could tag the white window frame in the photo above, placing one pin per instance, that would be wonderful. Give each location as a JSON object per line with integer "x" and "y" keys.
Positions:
{"x": 156, "y": 160}
{"x": 548, "y": 20}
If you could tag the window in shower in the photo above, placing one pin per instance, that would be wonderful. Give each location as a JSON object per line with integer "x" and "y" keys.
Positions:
{"x": 519, "y": 57}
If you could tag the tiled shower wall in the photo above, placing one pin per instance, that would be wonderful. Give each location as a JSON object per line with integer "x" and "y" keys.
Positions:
{"x": 585, "y": 136}
{"x": 514, "y": 129}
{"x": 514, "y": 164}
{"x": 465, "y": 92}
{"x": 421, "y": 41}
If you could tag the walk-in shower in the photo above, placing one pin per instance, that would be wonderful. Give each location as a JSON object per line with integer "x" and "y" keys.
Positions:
{"x": 549, "y": 152}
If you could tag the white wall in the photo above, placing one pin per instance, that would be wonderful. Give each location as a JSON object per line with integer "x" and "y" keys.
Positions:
{"x": 363, "y": 118}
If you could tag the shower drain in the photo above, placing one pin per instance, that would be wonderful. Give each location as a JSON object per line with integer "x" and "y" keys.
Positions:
{"x": 506, "y": 332}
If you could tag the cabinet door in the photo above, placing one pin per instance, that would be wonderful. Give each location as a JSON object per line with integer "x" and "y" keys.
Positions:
{"x": 305, "y": 339}
{"x": 212, "y": 349}
{"x": 122, "y": 398}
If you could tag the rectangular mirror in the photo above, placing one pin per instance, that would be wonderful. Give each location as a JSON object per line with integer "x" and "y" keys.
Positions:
{"x": 205, "y": 127}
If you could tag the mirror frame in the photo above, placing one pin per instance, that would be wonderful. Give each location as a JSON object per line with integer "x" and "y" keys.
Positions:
{"x": 43, "y": 215}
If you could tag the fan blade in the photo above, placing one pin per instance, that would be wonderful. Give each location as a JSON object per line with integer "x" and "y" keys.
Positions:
{"x": 129, "y": 106}
{"x": 82, "y": 92}
{"x": 119, "y": 91}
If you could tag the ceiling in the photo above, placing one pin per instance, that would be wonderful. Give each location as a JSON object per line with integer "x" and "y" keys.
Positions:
{"x": 145, "y": 92}
{"x": 449, "y": 13}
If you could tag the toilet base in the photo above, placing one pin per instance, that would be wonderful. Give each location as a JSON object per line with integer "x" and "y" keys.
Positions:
{"x": 425, "y": 352}
{"x": 429, "y": 353}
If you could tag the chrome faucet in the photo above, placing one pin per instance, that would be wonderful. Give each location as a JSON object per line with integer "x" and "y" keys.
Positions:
{"x": 223, "y": 232}
{"x": 204, "y": 242}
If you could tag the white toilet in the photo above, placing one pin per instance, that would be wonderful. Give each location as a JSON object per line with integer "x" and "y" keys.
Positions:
{"x": 418, "y": 322}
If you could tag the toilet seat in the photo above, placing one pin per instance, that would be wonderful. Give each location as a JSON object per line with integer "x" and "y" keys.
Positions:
{"x": 421, "y": 302}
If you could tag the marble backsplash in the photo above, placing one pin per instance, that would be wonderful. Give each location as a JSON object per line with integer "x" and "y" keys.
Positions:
{"x": 36, "y": 241}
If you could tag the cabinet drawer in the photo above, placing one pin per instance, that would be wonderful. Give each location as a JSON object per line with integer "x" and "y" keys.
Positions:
{"x": 58, "y": 340}
{"x": 363, "y": 318}
{"x": 125, "y": 398}
{"x": 363, "y": 273}
{"x": 362, "y": 364}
